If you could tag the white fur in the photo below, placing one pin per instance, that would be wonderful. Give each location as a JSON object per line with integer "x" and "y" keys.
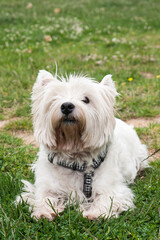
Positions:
{"x": 55, "y": 185}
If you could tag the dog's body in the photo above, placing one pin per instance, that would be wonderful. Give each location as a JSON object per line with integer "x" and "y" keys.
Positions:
{"x": 86, "y": 155}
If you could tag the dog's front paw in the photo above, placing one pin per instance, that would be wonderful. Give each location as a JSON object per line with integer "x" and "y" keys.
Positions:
{"x": 91, "y": 215}
{"x": 43, "y": 213}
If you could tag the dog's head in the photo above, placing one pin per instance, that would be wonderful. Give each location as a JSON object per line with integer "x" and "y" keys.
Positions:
{"x": 73, "y": 114}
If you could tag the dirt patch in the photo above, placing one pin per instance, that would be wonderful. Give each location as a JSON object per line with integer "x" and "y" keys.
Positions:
{"x": 28, "y": 138}
{"x": 147, "y": 75}
{"x": 142, "y": 122}
{"x": 3, "y": 123}
{"x": 155, "y": 156}
{"x": 137, "y": 122}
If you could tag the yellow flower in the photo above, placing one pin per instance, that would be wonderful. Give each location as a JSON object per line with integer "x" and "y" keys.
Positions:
{"x": 158, "y": 76}
{"x": 130, "y": 79}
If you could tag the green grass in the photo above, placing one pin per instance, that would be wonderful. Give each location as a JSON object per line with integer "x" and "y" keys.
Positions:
{"x": 19, "y": 124}
{"x": 95, "y": 38}
{"x": 142, "y": 223}
{"x": 150, "y": 135}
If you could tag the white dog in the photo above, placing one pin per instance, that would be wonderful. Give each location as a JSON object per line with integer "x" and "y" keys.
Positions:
{"x": 86, "y": 154}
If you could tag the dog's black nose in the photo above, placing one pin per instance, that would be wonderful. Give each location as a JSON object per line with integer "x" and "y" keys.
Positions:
{"x": 67, "y": 108}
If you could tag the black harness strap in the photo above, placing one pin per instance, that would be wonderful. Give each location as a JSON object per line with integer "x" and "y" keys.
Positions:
{"x": 75, "y": 166}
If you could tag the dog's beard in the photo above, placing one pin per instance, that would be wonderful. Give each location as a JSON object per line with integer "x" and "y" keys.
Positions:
{"x": 68, "y": 135}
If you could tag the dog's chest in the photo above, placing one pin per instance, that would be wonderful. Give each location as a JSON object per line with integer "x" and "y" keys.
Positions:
{"x": 70, "y": 179}
{"x": 79, "y": 174}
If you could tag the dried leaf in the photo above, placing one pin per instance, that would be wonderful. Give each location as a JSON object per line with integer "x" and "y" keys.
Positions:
{"x": 48, "y": 38}
{"x": 29, "y": 5}
{"x": 57, "y": 10}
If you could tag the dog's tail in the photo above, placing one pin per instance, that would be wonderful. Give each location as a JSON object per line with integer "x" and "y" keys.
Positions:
{"x": 142, "y": 158}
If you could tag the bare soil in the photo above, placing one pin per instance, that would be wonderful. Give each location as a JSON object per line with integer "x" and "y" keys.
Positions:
{"x": 143, "y": 122}
{"x": 28, "y": 138}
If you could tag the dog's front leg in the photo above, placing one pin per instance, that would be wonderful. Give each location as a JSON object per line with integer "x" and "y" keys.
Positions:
{"x": 98, "y": 207}
{"x": 45, "y": 201}
{"x": 108, "y": 203}
{"x": 48, "y": 203}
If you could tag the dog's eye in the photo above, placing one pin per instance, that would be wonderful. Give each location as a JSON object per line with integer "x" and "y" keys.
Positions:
{"x": 86, "y": 100}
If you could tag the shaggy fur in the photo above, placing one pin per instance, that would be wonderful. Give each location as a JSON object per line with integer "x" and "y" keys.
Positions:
{"x": 80, "y": 137}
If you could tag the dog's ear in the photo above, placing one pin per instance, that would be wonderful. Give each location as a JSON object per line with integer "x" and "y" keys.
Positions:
{"x": 107, "y": 80}
{"x": 44, "y": 78}
{"x": 38, "y": 93}
{"x": 109, "y": 88}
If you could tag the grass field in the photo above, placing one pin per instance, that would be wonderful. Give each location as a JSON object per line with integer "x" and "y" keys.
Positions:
{"x": 96, "y": 38}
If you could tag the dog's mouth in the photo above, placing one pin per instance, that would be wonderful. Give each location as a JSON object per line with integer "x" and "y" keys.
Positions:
{"x": 69, "y": 120}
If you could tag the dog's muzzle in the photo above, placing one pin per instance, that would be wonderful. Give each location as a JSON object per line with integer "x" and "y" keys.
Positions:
{"x": 67, "y": 108}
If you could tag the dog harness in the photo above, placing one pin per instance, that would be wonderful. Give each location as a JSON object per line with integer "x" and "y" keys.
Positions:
{"x": 75, "y": 166}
